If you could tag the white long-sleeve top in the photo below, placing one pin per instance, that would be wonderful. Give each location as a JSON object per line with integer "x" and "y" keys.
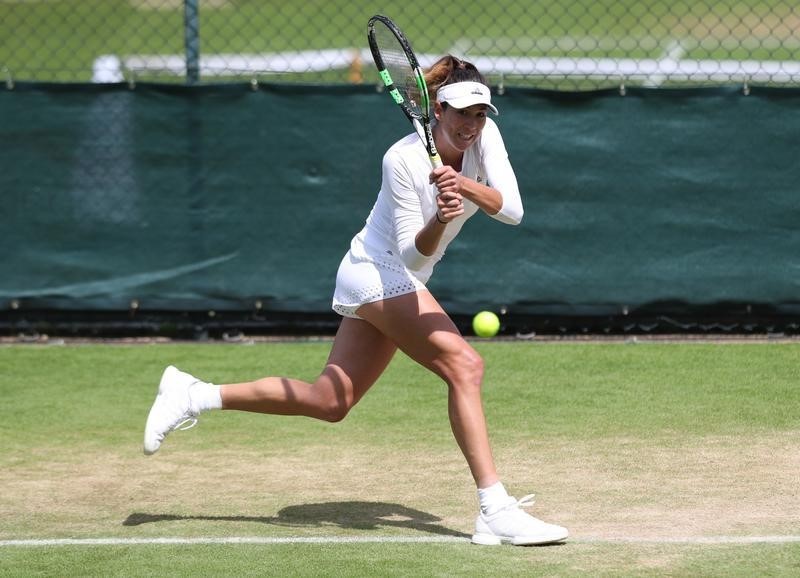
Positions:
{"x": 407, "y": 200}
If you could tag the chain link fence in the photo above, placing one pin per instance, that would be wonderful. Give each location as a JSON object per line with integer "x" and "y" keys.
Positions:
{"x": 557, "y": 44}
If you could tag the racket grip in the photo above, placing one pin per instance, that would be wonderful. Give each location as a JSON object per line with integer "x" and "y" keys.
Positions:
{"x": 436, "y": 161}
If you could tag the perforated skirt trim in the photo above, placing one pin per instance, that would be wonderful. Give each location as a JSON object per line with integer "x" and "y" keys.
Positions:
{"x": 366, "y": 280}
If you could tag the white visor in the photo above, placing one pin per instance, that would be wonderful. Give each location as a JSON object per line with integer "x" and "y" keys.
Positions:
{"x": 464, "y": 94}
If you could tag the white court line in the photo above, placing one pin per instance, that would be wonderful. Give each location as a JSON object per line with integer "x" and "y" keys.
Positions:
{"x": 712, "y": 540}
{"x": 232, "y": 540}
{"x": 695, "y": 540}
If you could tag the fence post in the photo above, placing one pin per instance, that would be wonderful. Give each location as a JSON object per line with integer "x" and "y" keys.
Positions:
{"x": 191, "y": 21}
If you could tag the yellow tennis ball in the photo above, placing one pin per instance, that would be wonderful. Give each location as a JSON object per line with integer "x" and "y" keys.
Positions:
{"x": 485, "y": 324}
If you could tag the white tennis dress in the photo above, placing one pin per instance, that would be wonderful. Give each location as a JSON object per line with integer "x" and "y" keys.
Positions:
{"x": 383, "y": 260}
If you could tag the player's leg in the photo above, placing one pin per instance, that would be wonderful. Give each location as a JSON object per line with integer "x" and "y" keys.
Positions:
{"x": 421, "y": 328}
{"x": 358, "y": 356}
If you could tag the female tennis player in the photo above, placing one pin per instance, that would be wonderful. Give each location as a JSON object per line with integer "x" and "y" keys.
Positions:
{"x": 385, "y": 306}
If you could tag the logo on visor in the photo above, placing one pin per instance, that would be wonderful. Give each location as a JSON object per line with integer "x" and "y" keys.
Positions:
{"x": 477, "y": 90}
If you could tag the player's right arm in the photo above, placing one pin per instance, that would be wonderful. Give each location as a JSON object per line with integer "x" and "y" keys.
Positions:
{"x": 418, "y": 231}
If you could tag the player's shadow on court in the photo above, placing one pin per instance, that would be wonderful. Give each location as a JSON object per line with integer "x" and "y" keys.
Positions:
{"x": 349, "y": 515}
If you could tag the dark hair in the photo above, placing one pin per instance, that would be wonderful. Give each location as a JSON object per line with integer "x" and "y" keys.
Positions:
{"x": 448, "y": 70}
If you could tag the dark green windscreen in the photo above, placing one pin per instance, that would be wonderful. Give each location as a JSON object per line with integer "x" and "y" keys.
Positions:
{"x": 189, "y": 198}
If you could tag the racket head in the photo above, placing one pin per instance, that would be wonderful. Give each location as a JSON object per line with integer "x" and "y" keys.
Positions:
{"x": 402, "y": 76}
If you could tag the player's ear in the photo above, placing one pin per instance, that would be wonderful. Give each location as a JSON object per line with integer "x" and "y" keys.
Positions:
{"x": 437, "y": 109}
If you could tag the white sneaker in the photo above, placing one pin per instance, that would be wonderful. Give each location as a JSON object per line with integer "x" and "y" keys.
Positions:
{"x": 511, "y": 525}
{"x": 172, "y": 409}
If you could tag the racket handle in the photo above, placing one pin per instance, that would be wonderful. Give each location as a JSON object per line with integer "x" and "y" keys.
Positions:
{"x": 436, "y": 161}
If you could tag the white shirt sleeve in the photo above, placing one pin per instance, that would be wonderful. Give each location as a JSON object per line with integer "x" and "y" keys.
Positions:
{"x": 500, "y": 174}
{"x": 407, "y": 215}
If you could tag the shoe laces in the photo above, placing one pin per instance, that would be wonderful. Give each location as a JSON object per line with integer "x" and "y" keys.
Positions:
{"x": 523, "y": 502}
{"x": 190, "y": 417}
{"x": 181, "y": 426}
{"x": 526, "y": 501}
{"x": 514, "y": 504}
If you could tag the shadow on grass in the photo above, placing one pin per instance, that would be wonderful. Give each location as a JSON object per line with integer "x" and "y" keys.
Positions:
{"x": 350, "y": 515}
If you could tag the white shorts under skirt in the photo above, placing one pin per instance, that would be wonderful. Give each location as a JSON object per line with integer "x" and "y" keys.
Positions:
{"x": 363, "y": 280}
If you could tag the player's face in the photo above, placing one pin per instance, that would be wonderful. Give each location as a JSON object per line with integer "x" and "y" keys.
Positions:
{"x": 461, "y": 127}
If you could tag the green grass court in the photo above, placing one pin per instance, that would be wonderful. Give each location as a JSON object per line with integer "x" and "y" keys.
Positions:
{"x": 675, "y": 459}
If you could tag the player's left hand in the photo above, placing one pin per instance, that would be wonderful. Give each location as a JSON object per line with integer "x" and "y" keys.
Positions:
{"x": 449, "y": 201}
{"x": 446, "y": 179}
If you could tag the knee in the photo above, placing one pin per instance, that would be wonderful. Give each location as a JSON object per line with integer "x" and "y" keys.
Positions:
{"x": 465, "y": 371}
{"x": 334, "y": 412}
{"x": 331, "y": 407}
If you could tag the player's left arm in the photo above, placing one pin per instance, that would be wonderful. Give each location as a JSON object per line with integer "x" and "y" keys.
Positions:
{"x": 450, "y": 182}
{"x": 500, "y": 197}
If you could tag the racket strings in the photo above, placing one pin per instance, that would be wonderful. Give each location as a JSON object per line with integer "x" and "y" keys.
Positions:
{"x": 399, "y": 68}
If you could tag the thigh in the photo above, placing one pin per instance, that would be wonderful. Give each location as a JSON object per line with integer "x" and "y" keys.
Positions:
{"x": 359, "y": 355}
{"x": 421, "y": 329}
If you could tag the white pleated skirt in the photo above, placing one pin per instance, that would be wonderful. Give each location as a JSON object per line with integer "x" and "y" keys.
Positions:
{"x": 365, "y": 279}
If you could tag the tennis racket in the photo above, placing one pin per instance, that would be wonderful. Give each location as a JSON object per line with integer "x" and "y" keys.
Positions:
{"x": 402, "y": 76}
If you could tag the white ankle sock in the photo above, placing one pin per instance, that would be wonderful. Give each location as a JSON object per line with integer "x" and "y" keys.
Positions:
{"x": 492, "y": 497}
{"x": 205, "y": 396}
